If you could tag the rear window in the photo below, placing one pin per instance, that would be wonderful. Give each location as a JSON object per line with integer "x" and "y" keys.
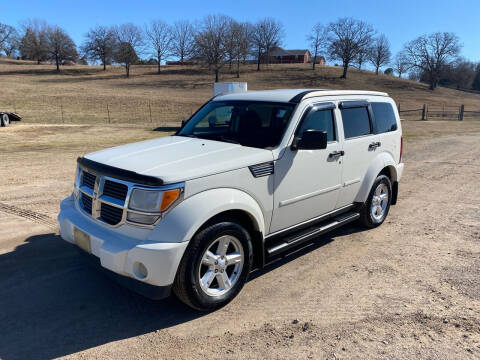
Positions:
{"x": 356, "y": 122}
{"x": 385, "y": 119}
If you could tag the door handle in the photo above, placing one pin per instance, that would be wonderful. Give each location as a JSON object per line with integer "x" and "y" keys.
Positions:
{"x": 374, "y": 145}
{"x": 336, "y": 153}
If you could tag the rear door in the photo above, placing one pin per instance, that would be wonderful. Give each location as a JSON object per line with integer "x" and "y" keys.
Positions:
{"x": 386, "y": 127}
{"x": 360, "y": 147}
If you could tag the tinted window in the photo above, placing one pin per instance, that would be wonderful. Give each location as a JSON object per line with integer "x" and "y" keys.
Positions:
{"x": 319, "y": 120}
{"x": 385, "y": 120}
{"x": 356, "y": 122}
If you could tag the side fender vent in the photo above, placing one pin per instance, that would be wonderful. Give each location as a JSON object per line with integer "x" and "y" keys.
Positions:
{"x": 263, "y": 169}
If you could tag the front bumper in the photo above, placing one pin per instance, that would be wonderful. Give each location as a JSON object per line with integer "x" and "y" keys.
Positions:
{"x": 126, "y": 252}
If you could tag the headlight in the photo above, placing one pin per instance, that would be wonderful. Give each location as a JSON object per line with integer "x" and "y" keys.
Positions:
{"x": 153, "y": 201}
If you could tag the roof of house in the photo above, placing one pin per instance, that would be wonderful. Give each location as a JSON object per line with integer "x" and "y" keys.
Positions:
{"x": 292, "y": 95}
{"x": 278, "y": 51}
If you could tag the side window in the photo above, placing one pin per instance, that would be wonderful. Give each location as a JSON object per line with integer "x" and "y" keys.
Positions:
{"x": 385, "y": 119}
{"x": 322, "y": 120}
{"x": 356, "y": 122}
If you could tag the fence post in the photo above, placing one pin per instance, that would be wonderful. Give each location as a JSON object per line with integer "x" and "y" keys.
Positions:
{"x": 61, "y": 109}
{"x": 460, "y": 115}
{"x": 399, "y": 108}
{"x": 108, "y": 114}
{"x": 150, "y": 109}
{"x": 424, "y": 112}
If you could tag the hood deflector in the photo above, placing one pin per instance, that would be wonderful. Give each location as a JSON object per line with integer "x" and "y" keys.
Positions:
{"x": 118, "y": 173}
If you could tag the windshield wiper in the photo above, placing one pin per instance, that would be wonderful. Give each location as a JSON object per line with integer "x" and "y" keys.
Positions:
{"x": 229, "y": 140}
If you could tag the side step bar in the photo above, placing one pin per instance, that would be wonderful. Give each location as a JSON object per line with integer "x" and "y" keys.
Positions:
{"x": 295, "y": 239}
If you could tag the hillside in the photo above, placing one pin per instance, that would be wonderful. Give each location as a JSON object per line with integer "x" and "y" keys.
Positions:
{"x": 81, "y": 94}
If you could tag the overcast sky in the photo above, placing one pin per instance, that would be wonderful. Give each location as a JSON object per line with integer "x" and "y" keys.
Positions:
{"x": 401, "y": 20}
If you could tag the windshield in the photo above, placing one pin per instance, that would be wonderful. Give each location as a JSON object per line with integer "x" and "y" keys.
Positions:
{"x": 249, "y": 123}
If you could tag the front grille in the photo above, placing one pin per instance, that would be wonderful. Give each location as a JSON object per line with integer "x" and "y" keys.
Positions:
{"x": 86, "y": 202}
{"x": 115, "y": 190}
{"x": 110, "y": 214}
{"x": 88, "y": 180}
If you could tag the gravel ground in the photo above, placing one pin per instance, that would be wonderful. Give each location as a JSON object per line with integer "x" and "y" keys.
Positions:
{"x": 409, "y": 289}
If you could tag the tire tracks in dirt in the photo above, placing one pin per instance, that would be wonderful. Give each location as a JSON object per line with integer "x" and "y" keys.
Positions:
{"x": 31, "y": 215}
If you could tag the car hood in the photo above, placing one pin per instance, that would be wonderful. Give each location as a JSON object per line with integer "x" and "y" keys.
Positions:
{"x": 176, "y": 158}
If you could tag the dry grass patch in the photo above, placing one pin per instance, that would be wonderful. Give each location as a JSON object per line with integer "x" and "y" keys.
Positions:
{"x": 80, "y": 94}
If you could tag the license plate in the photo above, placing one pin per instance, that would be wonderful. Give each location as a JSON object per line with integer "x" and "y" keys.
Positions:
{"x": 82, "y": 240}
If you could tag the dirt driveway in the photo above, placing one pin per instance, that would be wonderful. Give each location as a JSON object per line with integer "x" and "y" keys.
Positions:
{"x": 409, "y": 289}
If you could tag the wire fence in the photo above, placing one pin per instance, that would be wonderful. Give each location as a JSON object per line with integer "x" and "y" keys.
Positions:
{"x": 116, "y": 111}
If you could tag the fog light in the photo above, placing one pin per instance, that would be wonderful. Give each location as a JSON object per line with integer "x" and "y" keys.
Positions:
{"x": 142, "y": 219}
{"x": 140, "y": 270}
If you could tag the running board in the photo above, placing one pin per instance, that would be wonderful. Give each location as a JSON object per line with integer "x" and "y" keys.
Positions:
{"x": 293, "y": 240}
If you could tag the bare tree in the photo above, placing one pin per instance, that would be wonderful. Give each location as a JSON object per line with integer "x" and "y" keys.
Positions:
{"x": 318, "y": 40}
{"x": 379, "y": 54}
{"x": 8, "y": 36}
{"x": 11, "y": 44}
{"x": 33, "y": 44}
{"x": 430, "y": 53}
{"x": 347, "y": 39}
{"x": 400, "y": 64}
{"x": 210, "y": 42}
{"x": 268, "y": 34}
{"x": 183, "y": 39}
{"x": 243, "y": 43}
{"x": 60, "y": 46}
{"x": 361, "y": 57}
{"x": 125, "y": 54}
{"x": 129, "y": 44}
{"x": 159, "y": 35}
{"x": 99, "y": 45}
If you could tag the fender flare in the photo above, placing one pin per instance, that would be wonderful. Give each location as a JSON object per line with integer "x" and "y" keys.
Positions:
{"x": 182, "y": 222}
{"x": 383, "y": 160}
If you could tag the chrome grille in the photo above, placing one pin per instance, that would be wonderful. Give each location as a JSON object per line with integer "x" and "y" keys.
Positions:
{"x": 110, "y": 214}
{"x": 115, "y": 190}
{"x": 88, "y": 180}
{"x": 86, "y": 202}
{"x": 106, "y": 199}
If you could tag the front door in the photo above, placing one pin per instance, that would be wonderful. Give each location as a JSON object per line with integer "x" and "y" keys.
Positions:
{"x": 307, "y": 182}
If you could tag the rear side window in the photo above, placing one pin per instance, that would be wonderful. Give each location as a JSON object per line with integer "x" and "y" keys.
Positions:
{"x": 385, "y": 119}
{"x": 356, "y": 122}
{"x": 321, "y": 120}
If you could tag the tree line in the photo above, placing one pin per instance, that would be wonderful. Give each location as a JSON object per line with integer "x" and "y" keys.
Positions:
{"x": 219, "y": 41}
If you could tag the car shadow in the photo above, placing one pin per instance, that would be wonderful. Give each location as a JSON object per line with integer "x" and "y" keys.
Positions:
{"x": 53, "y": 303}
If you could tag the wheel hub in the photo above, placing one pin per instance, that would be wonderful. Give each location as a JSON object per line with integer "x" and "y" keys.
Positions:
{"x": 221, "y": 265}
{"x": 379, "y": 202}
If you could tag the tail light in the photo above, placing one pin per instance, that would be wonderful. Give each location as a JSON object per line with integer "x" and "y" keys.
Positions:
{"x": 401, "y": 149}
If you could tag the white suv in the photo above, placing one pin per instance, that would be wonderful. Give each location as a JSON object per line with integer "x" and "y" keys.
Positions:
{"x": 247, "y": 177}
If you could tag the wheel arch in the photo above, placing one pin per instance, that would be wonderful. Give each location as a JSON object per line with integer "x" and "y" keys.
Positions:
{"x": 382, "y": 164}
{"x": 199, "y": 210}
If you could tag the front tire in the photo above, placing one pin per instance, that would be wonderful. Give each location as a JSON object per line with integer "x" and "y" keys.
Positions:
{"x": 375, "y": 210}
{"x": 4, "y": 120}
{"x": 215, "y": 266}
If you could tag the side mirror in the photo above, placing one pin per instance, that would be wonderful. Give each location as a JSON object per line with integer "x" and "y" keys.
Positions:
{"x": 310, "y": 140}
{"x": 184, "y": 122}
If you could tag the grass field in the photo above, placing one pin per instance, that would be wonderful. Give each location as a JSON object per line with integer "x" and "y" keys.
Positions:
{"x": 86, "y": 94}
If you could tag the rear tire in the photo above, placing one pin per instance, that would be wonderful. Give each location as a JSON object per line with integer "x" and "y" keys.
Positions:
{"x": 375, "y": 210}
{"x": 215, "y": 266}
{"x": 4, "y": 120}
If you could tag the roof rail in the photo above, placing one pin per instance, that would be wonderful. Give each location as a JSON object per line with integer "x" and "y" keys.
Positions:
{"x": 297, "y": 98}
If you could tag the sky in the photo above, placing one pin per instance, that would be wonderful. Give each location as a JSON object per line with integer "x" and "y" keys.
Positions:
{"x": 400, "y": 20}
